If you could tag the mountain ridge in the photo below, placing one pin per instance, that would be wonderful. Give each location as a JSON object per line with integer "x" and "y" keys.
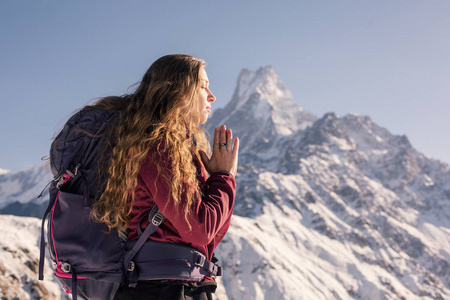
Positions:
{"x": 19, "y": 191}
{"x": 353, "y": 183}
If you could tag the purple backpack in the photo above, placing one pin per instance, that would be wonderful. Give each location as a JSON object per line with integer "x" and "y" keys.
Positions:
{"x": 91, "y": 262}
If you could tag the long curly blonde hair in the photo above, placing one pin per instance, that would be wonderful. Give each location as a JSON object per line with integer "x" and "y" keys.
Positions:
{"x": 164, "y": 108}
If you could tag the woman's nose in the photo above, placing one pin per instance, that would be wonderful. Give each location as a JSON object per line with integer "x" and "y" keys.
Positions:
{"x": 211, "y": 97}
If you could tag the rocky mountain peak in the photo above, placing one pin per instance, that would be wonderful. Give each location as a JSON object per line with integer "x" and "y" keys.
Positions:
{"x": 262, "y": 109}
{"x": 264, "y": 82}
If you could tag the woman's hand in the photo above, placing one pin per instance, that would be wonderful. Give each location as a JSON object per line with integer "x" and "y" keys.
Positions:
{"x": 225, "y": 155}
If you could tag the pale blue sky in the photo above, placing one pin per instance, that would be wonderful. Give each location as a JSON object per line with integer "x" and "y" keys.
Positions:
{"x": 386, "y": 59}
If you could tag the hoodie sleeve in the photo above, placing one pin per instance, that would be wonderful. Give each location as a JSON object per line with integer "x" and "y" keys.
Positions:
{"x": 210, "y": 213}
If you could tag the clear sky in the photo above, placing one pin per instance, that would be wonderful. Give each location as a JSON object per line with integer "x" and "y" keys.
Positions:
{"x": 386, "y": 59}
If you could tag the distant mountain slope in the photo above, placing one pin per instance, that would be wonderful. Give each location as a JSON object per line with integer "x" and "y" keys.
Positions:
{"x": 19, "y": 191}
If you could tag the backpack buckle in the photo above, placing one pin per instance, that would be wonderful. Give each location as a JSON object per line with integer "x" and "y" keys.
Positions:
{"x": 65, "y": 267}
{"x": 131, "y": 266}
{"x": 63, "y": 177}
{"x": 200, "y": 260}
{"x": 157, "y": 219}
{"x": 59, "y": 181}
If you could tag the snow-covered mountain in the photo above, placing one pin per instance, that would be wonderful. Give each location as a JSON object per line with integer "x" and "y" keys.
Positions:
{"x": 335, "y": 207}
{"x": 330, "y": 208}
{"x": 263, "y": 114}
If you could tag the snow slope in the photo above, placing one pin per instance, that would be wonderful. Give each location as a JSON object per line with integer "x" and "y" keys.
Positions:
{"x": 19, "y": 261}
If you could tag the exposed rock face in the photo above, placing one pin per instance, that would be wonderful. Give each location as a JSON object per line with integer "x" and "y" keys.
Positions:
{"x": 332, "y": 207}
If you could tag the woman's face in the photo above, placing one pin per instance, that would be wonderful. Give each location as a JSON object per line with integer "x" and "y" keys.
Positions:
{"x": 205, "y": 97}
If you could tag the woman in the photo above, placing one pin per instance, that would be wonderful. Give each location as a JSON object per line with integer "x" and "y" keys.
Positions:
{"x": 160, "y": 156}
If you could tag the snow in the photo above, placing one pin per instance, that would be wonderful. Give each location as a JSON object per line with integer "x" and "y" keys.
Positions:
{"x": 312, "y": 267}
{"x": 3, "y": 171}
{"x": 20, "y": 259}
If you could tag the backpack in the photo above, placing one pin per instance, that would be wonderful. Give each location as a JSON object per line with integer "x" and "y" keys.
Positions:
{"x": 89, "y": 260}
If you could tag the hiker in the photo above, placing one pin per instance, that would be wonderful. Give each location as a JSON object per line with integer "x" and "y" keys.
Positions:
{"x": 160, "y": 155}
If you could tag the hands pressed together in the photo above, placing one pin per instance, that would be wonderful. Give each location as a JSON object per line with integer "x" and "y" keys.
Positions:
{"x": 225, "y": 153}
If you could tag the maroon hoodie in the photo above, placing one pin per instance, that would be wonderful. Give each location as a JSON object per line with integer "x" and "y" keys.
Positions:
{"x": 212, "y": 212}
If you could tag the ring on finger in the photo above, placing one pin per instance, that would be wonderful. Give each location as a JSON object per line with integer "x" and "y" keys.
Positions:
{"x": 216, "y": 145}
{"x": 222, "y": 145}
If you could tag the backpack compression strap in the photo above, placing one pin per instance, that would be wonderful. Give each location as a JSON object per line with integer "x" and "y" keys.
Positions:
{"x": 42, "y": 243}
{"x": 62, "y": 179}
{"x": 156, "y": 218}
